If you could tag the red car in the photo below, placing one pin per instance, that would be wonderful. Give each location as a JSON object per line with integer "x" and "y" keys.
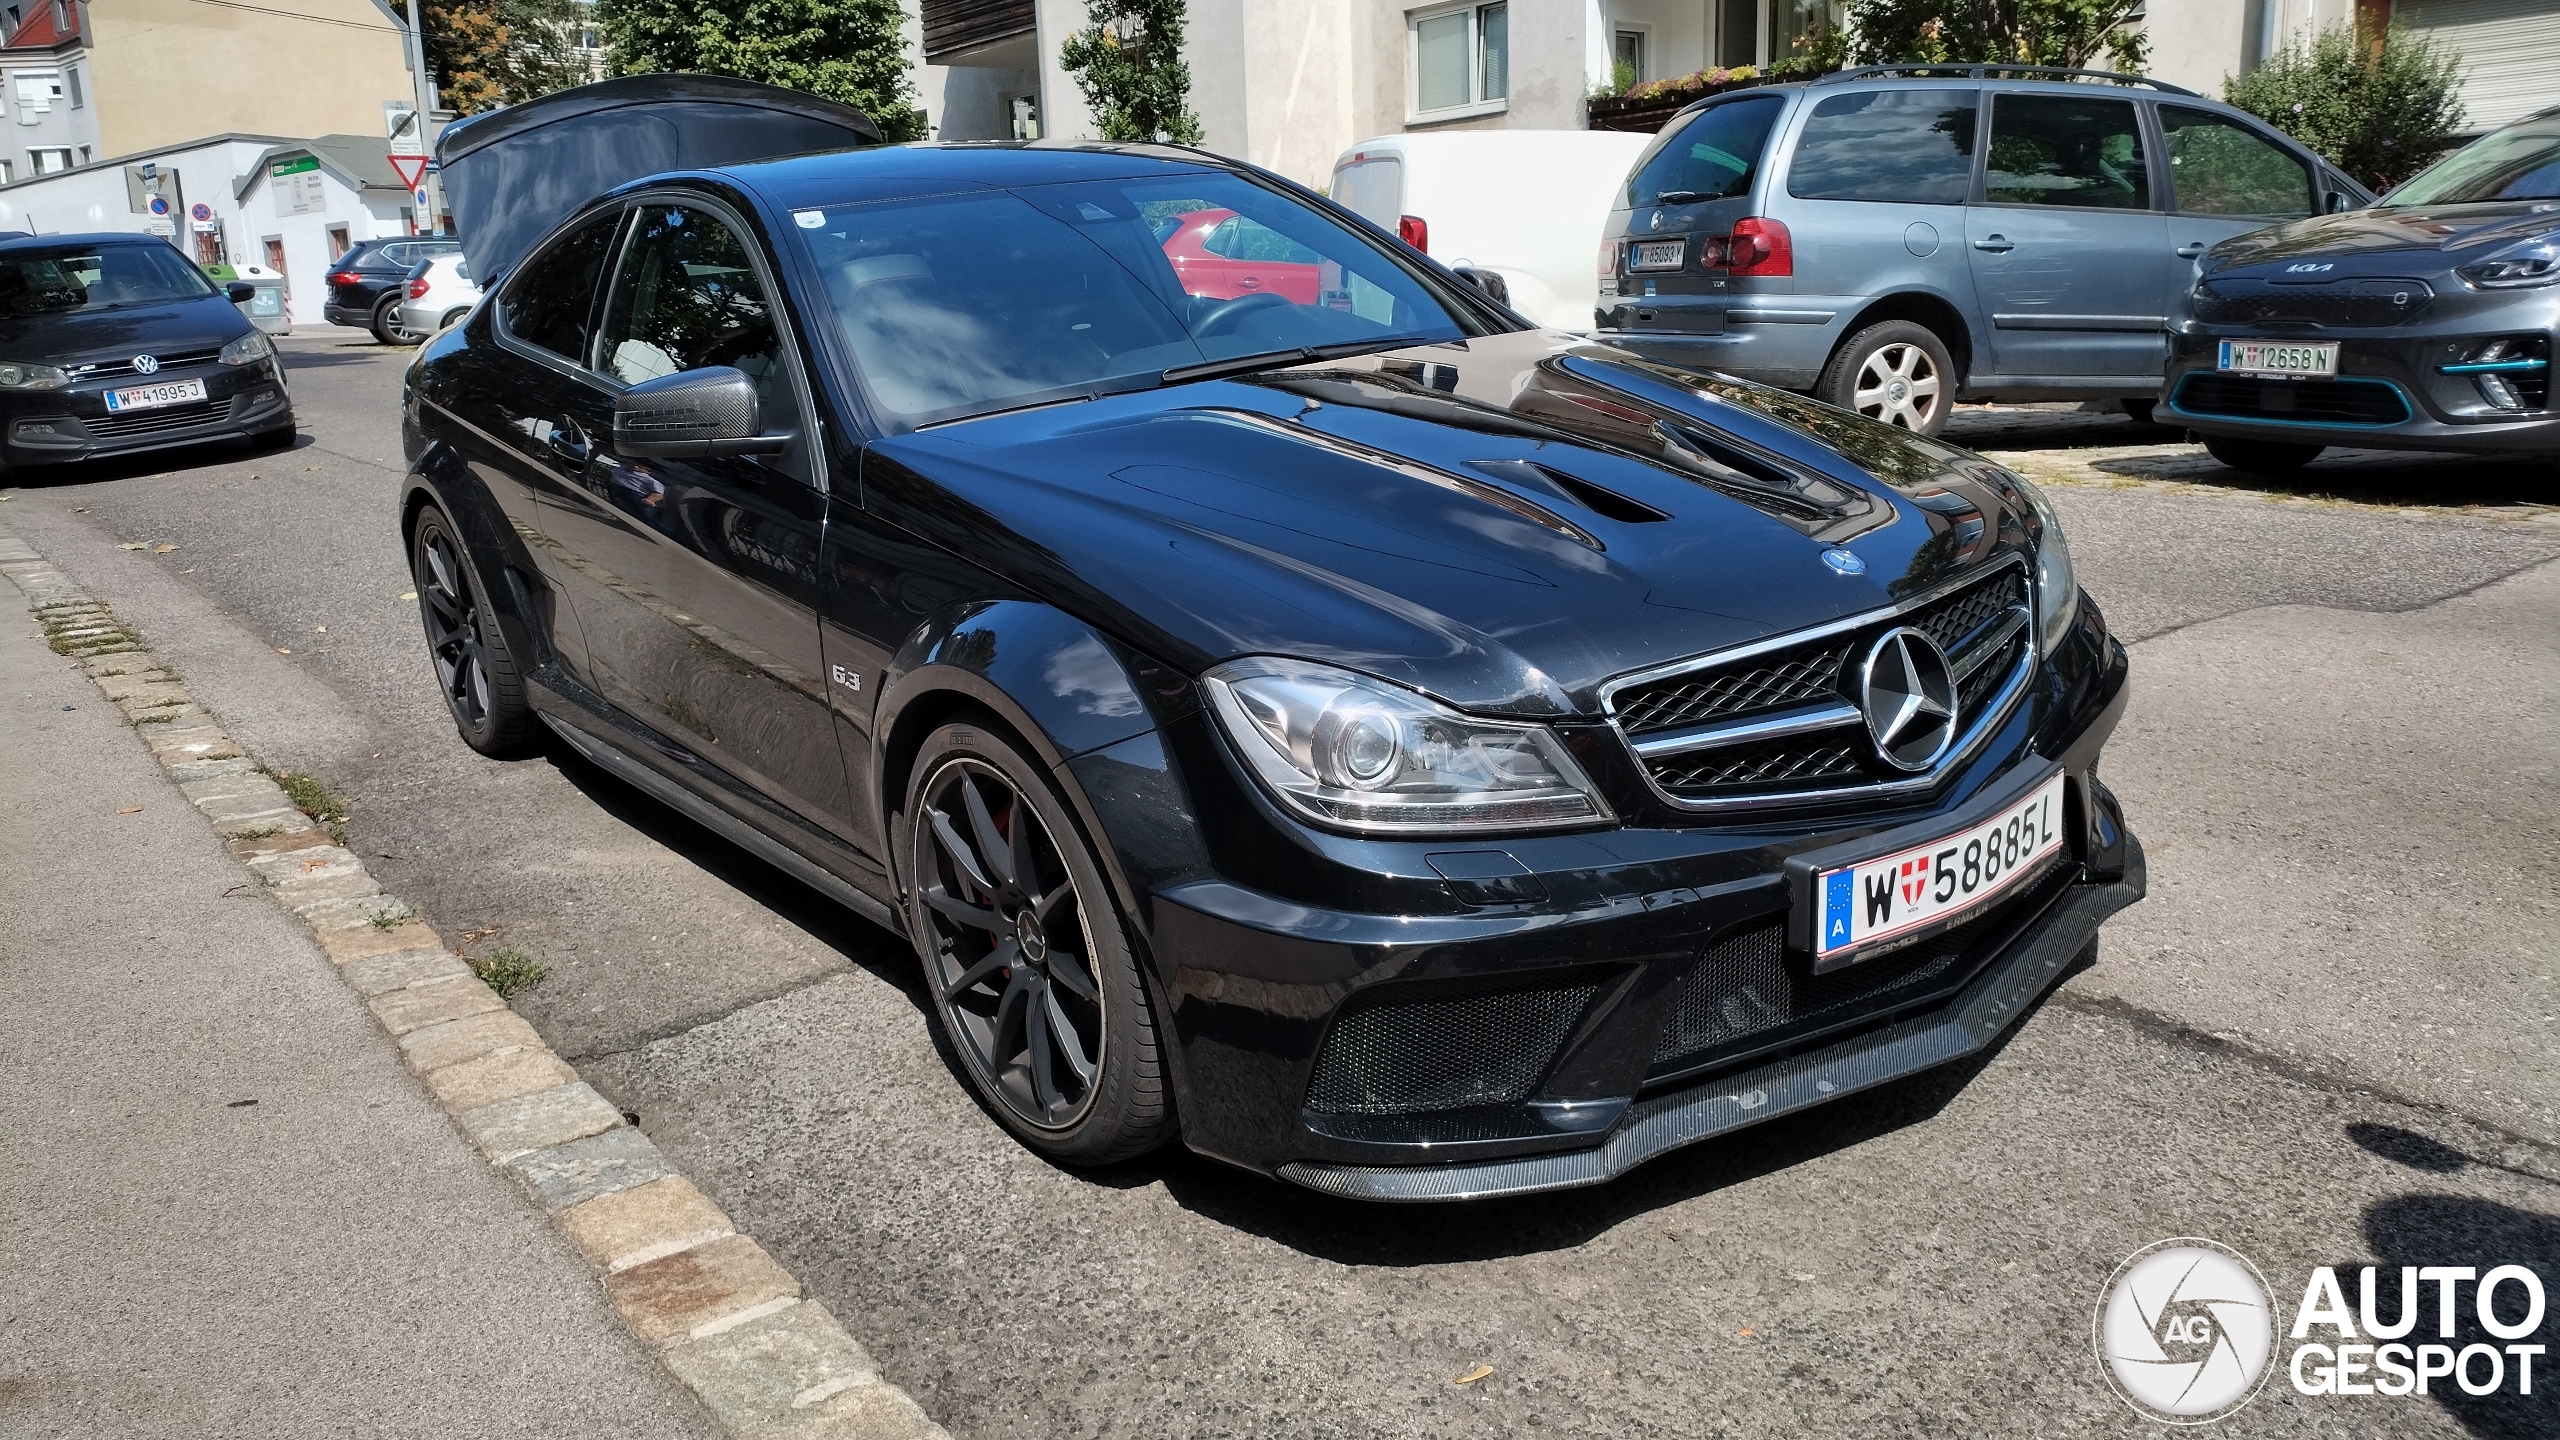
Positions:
{"x": 1221, "y": 255}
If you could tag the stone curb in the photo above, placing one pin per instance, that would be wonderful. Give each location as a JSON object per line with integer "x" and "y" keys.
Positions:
{"x": 722, "y": 1315}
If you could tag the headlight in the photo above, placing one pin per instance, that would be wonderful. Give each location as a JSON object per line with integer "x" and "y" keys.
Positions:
{"x": 1355, "y": 753}
{"x": 2057, "y": 590}
{"x": 248, "y": 349}
{"x": 31, "y": 377}
{"x": 2535, "y": 262}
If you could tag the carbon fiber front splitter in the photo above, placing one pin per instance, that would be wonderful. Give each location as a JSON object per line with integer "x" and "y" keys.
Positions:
{"x": 1651, "y": 1127}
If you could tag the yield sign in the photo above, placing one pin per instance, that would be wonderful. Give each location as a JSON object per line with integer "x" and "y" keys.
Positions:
{"x": 410, "y": 168}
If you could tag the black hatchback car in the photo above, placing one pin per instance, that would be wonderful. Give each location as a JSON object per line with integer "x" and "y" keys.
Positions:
{"x": 366, "y": 284}
{"x": 111, "y": 344}
{"x": 1377, "y": 742}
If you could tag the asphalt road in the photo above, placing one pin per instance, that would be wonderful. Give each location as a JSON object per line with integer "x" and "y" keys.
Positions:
{"x": 2328, "y": 1037}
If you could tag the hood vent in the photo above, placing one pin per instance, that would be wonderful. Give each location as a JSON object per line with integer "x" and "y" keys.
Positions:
{"x": 1606, "y": 503}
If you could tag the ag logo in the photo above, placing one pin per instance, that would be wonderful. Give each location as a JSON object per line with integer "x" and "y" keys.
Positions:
{"x": 2184, "y": 1331}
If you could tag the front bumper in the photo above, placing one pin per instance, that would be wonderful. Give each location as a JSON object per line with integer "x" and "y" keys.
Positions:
{"x": 2394, "y": 390}
{"x": 40, "y": 427}
{"x": 1626, "y": 992}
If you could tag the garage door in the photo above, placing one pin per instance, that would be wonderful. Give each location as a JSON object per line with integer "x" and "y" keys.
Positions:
{"x": 2510, "y": 49}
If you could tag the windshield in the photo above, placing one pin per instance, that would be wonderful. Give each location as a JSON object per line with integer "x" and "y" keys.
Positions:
{"x": 95, "y": 277}
{"x": 959, "y": 305}
{"x": 1714, "y": 156}
{"x": 2521, "y": 162}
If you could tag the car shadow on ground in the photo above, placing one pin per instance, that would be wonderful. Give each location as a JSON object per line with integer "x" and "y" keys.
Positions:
{"x": 2460, "y": 1230}
{"x": 354, "y": 348}
{"x": 141, "y": 464}
{"x": 2403, "y": 478}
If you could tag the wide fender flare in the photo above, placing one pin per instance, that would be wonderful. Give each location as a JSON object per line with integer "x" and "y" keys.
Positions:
{"x": 495, "y": 551}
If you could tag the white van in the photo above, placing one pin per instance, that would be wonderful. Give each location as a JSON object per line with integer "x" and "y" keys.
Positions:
{"x": 1527, "y": 205}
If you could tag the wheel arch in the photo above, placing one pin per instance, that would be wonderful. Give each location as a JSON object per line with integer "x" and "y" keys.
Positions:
{"x": 1927, "y": 309}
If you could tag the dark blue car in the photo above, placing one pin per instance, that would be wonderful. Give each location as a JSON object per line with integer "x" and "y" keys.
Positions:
{"x": 1373, "y": 741}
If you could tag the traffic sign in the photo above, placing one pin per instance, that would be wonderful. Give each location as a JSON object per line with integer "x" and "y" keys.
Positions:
{"x": 157, "y": 205}
{"x": 200, "y": 212}
{"x": 412, "y": 169}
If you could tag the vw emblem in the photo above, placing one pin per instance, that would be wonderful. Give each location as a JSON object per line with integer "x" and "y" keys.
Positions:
{"x": 1845, "y": 561}
{"x": 1909, "y": 696}
{"x": 146, "y": 364}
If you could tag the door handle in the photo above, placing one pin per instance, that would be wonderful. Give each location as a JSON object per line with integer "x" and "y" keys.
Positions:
{"x": 2191, "y": 250}
{"x": 569, "y": 442}
{"x": 1996, "y": 244}
{"x": 1250, "y": 283}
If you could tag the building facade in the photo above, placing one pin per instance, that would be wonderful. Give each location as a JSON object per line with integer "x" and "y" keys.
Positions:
{"x": 46, "y": 116}
{"x": 162, "y": 72}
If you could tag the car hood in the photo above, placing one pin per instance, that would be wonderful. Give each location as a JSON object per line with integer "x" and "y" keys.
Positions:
{"x": 2419, "y": 240}
{"x": 1505, "y": 522}
{"x": 78, "y": 339}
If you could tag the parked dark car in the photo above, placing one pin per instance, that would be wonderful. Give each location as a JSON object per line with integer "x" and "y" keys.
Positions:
{"x": 366, "y": 284}
{"x": 1380, "y": 744}
{"x": 111, "y": 344}
{"x": 1897, "y": 238}
{"x": 2424, "y": 323}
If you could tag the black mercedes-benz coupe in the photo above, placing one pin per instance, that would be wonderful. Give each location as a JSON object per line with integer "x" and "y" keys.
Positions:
{"x": 2423, "y": 323}
{"x": 111, "y": 344}
{"x": 1370, "y": 739}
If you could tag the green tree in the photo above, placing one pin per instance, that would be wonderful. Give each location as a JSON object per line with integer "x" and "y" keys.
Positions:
{"x": 1128, "y": 62}
{"x": 2070, "y": 33}
{"x": 502, "y": 52}
{"x": 850, "y": 51}
{"x": 2379, "y": 114}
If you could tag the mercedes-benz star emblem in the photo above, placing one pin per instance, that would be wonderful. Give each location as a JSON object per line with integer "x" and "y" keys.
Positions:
{"x": 1657, "y": 219}
{"x": 146, "y": 364}
{"x": 1909, "y": 696}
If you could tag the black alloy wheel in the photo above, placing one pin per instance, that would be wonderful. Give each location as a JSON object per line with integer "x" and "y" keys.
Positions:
{"x": 386, "y": 323}
{"x": 2261, "y": 457}
{"x": 473, "y": 667}
{"x": 1032, "y": 975}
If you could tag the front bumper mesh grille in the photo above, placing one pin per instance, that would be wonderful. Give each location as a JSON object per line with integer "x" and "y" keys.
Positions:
{"x": 148, "y": 422}
{"x": 1403, "y": 1057}
{"x": 1746, "y": 986}
{"x": 2363, "y": 304}
{"x": 2331, "y": 402}
{"x": 1822, "y": 674}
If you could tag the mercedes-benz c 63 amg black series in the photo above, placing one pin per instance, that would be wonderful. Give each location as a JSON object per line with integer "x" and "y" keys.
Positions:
{"x": 2423, "y": 323}
{"x": 1332, "y": 722}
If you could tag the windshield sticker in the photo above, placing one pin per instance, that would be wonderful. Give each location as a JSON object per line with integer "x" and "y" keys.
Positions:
{"x": 810, "y": 219}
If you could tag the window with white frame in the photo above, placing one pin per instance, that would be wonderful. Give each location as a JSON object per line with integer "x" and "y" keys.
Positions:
{"x": 1461, "y": 59}
{"x": 47, "y": 160}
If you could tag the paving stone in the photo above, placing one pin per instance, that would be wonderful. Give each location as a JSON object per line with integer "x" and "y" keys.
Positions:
{"x": 544, "y": 1118}
{"x": 303, "y": 893}
{"x": 433, "y": 1047}
{"x": 241, "y": 799}
{"x": 638, "y": 1225}
{"x": 752, "y": 1375}
{"x": 225, "y": 787}
{"x": 138, "y": 682}
{"x": 859, "y": 1412}
{"x": 378, "y": 974}
{"x": 366, "y": 913}
{"x": 348, "y": 946}
{"x": 566, "y": 1175}
{"x": 267, "y": 823}
{"x": 195, "y": 742}
{"x": 470, "y": 1084}
{"x": 418, "y": 1007}
{"x": 683, "y": 1292}
{"x": 305, "y": 862}
{"x": 207, "y": 769}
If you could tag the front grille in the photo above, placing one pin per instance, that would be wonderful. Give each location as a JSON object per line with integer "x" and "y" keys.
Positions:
{"x": 1747, "y": 985}
{"x": 2367, "y": 304}
{"x": 145, "y": 422}
{"x": 1404, "y": 1057}
{"x": 100, "y": 368}
{"x": 1838, "y": 757}
{"x": 2319, "y": 402}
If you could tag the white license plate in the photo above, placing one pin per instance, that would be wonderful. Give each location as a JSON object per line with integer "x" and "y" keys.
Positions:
{"x": 1861, "y": 907}
{"x": 2278, "y": 357}
{"x": 152, "y": 397}
{"x": 1657, "y": 255}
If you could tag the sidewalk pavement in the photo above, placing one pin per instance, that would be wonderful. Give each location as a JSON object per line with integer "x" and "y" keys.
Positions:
{"x": 225, "y": 1206}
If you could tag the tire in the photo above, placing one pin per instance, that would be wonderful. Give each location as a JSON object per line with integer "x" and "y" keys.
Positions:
{"x": 985, "y": 895}
{"x": 2261, "y": 457}
{"x": 386, "y": 323}
{"x": 482, "y": 686}
{"x": 452, "y": 318}
{"x": 2139, "y": 411}
{"x": 1896, "y": 372}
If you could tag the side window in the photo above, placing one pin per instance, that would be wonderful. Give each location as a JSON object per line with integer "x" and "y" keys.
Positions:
{"x": 1221, "y": 241}
{"x": 1910, "y": 146}
{"x": 1715, "y": 154}
{"x": 686, "y": 297}
{"x": 397, "y": 255}
{"x": 2218, "y": 167}
{"x": 2064, "y": 150}
{"x": 550, "y": 299}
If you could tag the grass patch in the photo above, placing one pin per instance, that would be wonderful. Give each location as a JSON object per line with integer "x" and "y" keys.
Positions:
{"x": 385, "y": 919}
{"x": 313, "y": 799}
{"x": 506, "y": 970}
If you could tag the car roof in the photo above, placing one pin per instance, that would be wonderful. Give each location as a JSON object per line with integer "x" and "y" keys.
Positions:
{"x": 897, "y": 172}
{"x": 2009, "y": 77}
{"x": 92, "y": 237}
